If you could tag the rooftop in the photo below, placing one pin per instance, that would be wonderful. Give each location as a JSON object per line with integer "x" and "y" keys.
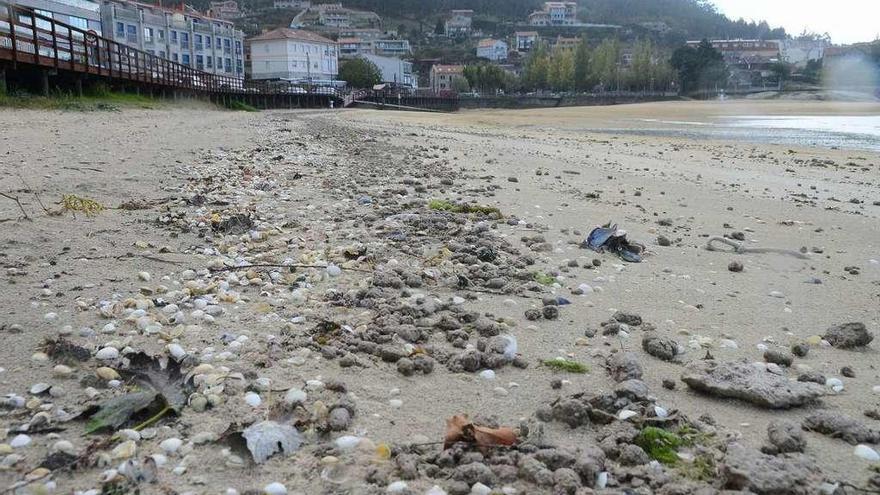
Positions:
{"x": 292, "y": 34}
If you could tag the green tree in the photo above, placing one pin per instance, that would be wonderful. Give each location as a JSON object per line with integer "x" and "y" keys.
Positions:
{"x": 360, "y": 73}
{"x": 582, "y": 66}
{"x": 560, "y": 73}
{"x": 700, "y": 68}
{"x": 488, "y": 78}
{"x": 605, "y": 64}
{"x": 536, "y": 68}
{"x": 460, "y": 85}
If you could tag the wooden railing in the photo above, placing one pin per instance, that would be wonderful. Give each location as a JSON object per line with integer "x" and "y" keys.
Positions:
{"x": 27, "y": 37}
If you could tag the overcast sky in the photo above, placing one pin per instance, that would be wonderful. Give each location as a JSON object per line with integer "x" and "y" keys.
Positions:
{"x": 848, "y": 21}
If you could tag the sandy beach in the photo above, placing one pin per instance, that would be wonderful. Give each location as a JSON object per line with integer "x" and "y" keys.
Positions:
{"x": 332, "y": 272}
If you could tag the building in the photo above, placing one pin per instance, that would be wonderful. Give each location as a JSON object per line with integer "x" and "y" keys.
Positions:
{"x": 335, "y": 17}
{"x": 799, "y": 52}
{"x": 460, "y": 23}
{"x": 82, "y": 14}
{"x": 227, "y": 10}
{"x": 442, "y": 77}
{"x": 525, "y": 40}
{"x": 292, "y": 4}
{"x": 353, "y": 47}
{"x": 493, "y": 50}
{"x": 394, "y": 70}
{"x": 293, "y": 55}
{"x": 555, "y": 14}
{"x": 392, "y": 48}
{"x": 746, "y": 52}
{"x": 566, "y": 44}
{"x": 183, "y": 36}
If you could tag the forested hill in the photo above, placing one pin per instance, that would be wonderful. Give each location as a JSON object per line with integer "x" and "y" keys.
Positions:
{"x": 691, "y": 18}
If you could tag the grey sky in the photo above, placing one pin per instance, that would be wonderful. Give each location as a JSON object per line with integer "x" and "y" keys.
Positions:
{"x": 848, "y": 21}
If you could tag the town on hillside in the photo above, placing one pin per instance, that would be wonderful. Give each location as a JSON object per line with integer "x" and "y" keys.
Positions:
{"x": 556, "y": 48}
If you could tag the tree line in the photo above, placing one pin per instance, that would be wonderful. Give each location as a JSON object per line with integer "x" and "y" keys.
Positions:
{"x": 602, "y": 68}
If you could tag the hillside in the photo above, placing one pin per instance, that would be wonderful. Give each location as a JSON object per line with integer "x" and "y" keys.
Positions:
{"x": 684, "y": 18}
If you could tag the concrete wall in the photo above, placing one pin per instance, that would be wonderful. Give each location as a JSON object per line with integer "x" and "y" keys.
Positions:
{"x": 562, "y": 101}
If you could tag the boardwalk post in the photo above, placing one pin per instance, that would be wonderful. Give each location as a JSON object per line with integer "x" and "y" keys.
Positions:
{"x": 2, "y": 80}
{"x": 44, "y": 76}
{"x": 79, "y": 86}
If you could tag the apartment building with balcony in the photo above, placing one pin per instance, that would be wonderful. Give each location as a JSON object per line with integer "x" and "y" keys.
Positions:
{"x": 82, "y": 14}
{"x": 184, "y": 36}
{"x": 555, "y": 14}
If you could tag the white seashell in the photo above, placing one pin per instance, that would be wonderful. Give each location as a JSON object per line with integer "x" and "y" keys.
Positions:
{"x": 487, "y": 375}
{"x": 176, "y": 351}
{"x": 347, "y": 442}
{"x": 866, "y": 453}
{"x": 275, "y": 489}
{"x": 626, "y": 414}
{"x": 602, "y": 480}
{"x": 252, "y": 399}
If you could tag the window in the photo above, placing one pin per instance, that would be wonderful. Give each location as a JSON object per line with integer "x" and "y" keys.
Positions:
{"x": 79, "y": 22}
{"x": 200, "y": 62}
{"x": 120, "y": 29}
{"x": 131, "y": 33}
{"x": 148, "y": 35}
{"x": 162, "y": 35}
{"x": 174, "y": 57}
{"x": 209, "y": 61}
{"x": 42, "y": 24}
{"x": 184, "y": 38}
{"x": 219, "y": 63}
{"x": 228, "y": 67}
{"x": 207, "y": 41}
{"x": 238, "y": 47}
{"x": 185, "y": 59}
{"x": 173, "y": 36}
{"x": 161, "y": 53}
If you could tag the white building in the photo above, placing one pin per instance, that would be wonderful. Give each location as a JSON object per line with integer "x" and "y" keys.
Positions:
{"x": 394, "y": 70}
{"x": 799, "y": 52}
{"x": 526, "y": 40}
{"x": 459, "y": 23}
{"x": 81, "y": 14}
{"x": 555, "y": 14}
{"x": 292, "y": 4}
{"x": 293, "y": 55}
{"x": 493, "y": 50}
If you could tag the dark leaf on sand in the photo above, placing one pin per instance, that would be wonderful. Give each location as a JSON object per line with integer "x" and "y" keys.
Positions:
{"x": 116, "y": 411}
{"x": 167, "y": 380}
{"x": 63, "y": 351}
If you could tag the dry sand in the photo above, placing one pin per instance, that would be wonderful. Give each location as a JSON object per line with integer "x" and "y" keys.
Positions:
{"x": 778, "y": 195}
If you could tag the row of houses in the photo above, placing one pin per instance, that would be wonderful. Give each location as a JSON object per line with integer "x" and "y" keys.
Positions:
{"x": 460, "y": 22}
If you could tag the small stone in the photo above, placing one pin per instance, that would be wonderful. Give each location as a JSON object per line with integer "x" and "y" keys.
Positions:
{"x": 171, "y": 445}
{"x": 800, "y": 350}
{"x": 487, "y": 375}
{"x": 176, "y": 351}
{"x": 848, "y": 372}
{"x": 107, "y": 354}
{"x": 848, "y": 335}
{"x": 550, "y": 312}
{"x": 663, "y": 241}
{"x": 396, "y": 487}
{"x": 294, "y": 397}
{"x": 668, "y": 384}
{"x": 106, "y": 374}
{"x": 19, "y": 441}
{"x": 778, "y": 357}
{"x": 405, "y": 366}
{"x": 735, "y": 266}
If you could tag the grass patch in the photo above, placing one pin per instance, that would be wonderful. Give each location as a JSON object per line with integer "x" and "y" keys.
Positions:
{"x": 94, "y": 101}
{"x": 443, "y": 205}
{"x": 240, "y": 106}
{"x": 544, "y": 279}
{"x": 663, "y": 445}
{"x": 566, "y": 365}
{"x": 660, "y": 444}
